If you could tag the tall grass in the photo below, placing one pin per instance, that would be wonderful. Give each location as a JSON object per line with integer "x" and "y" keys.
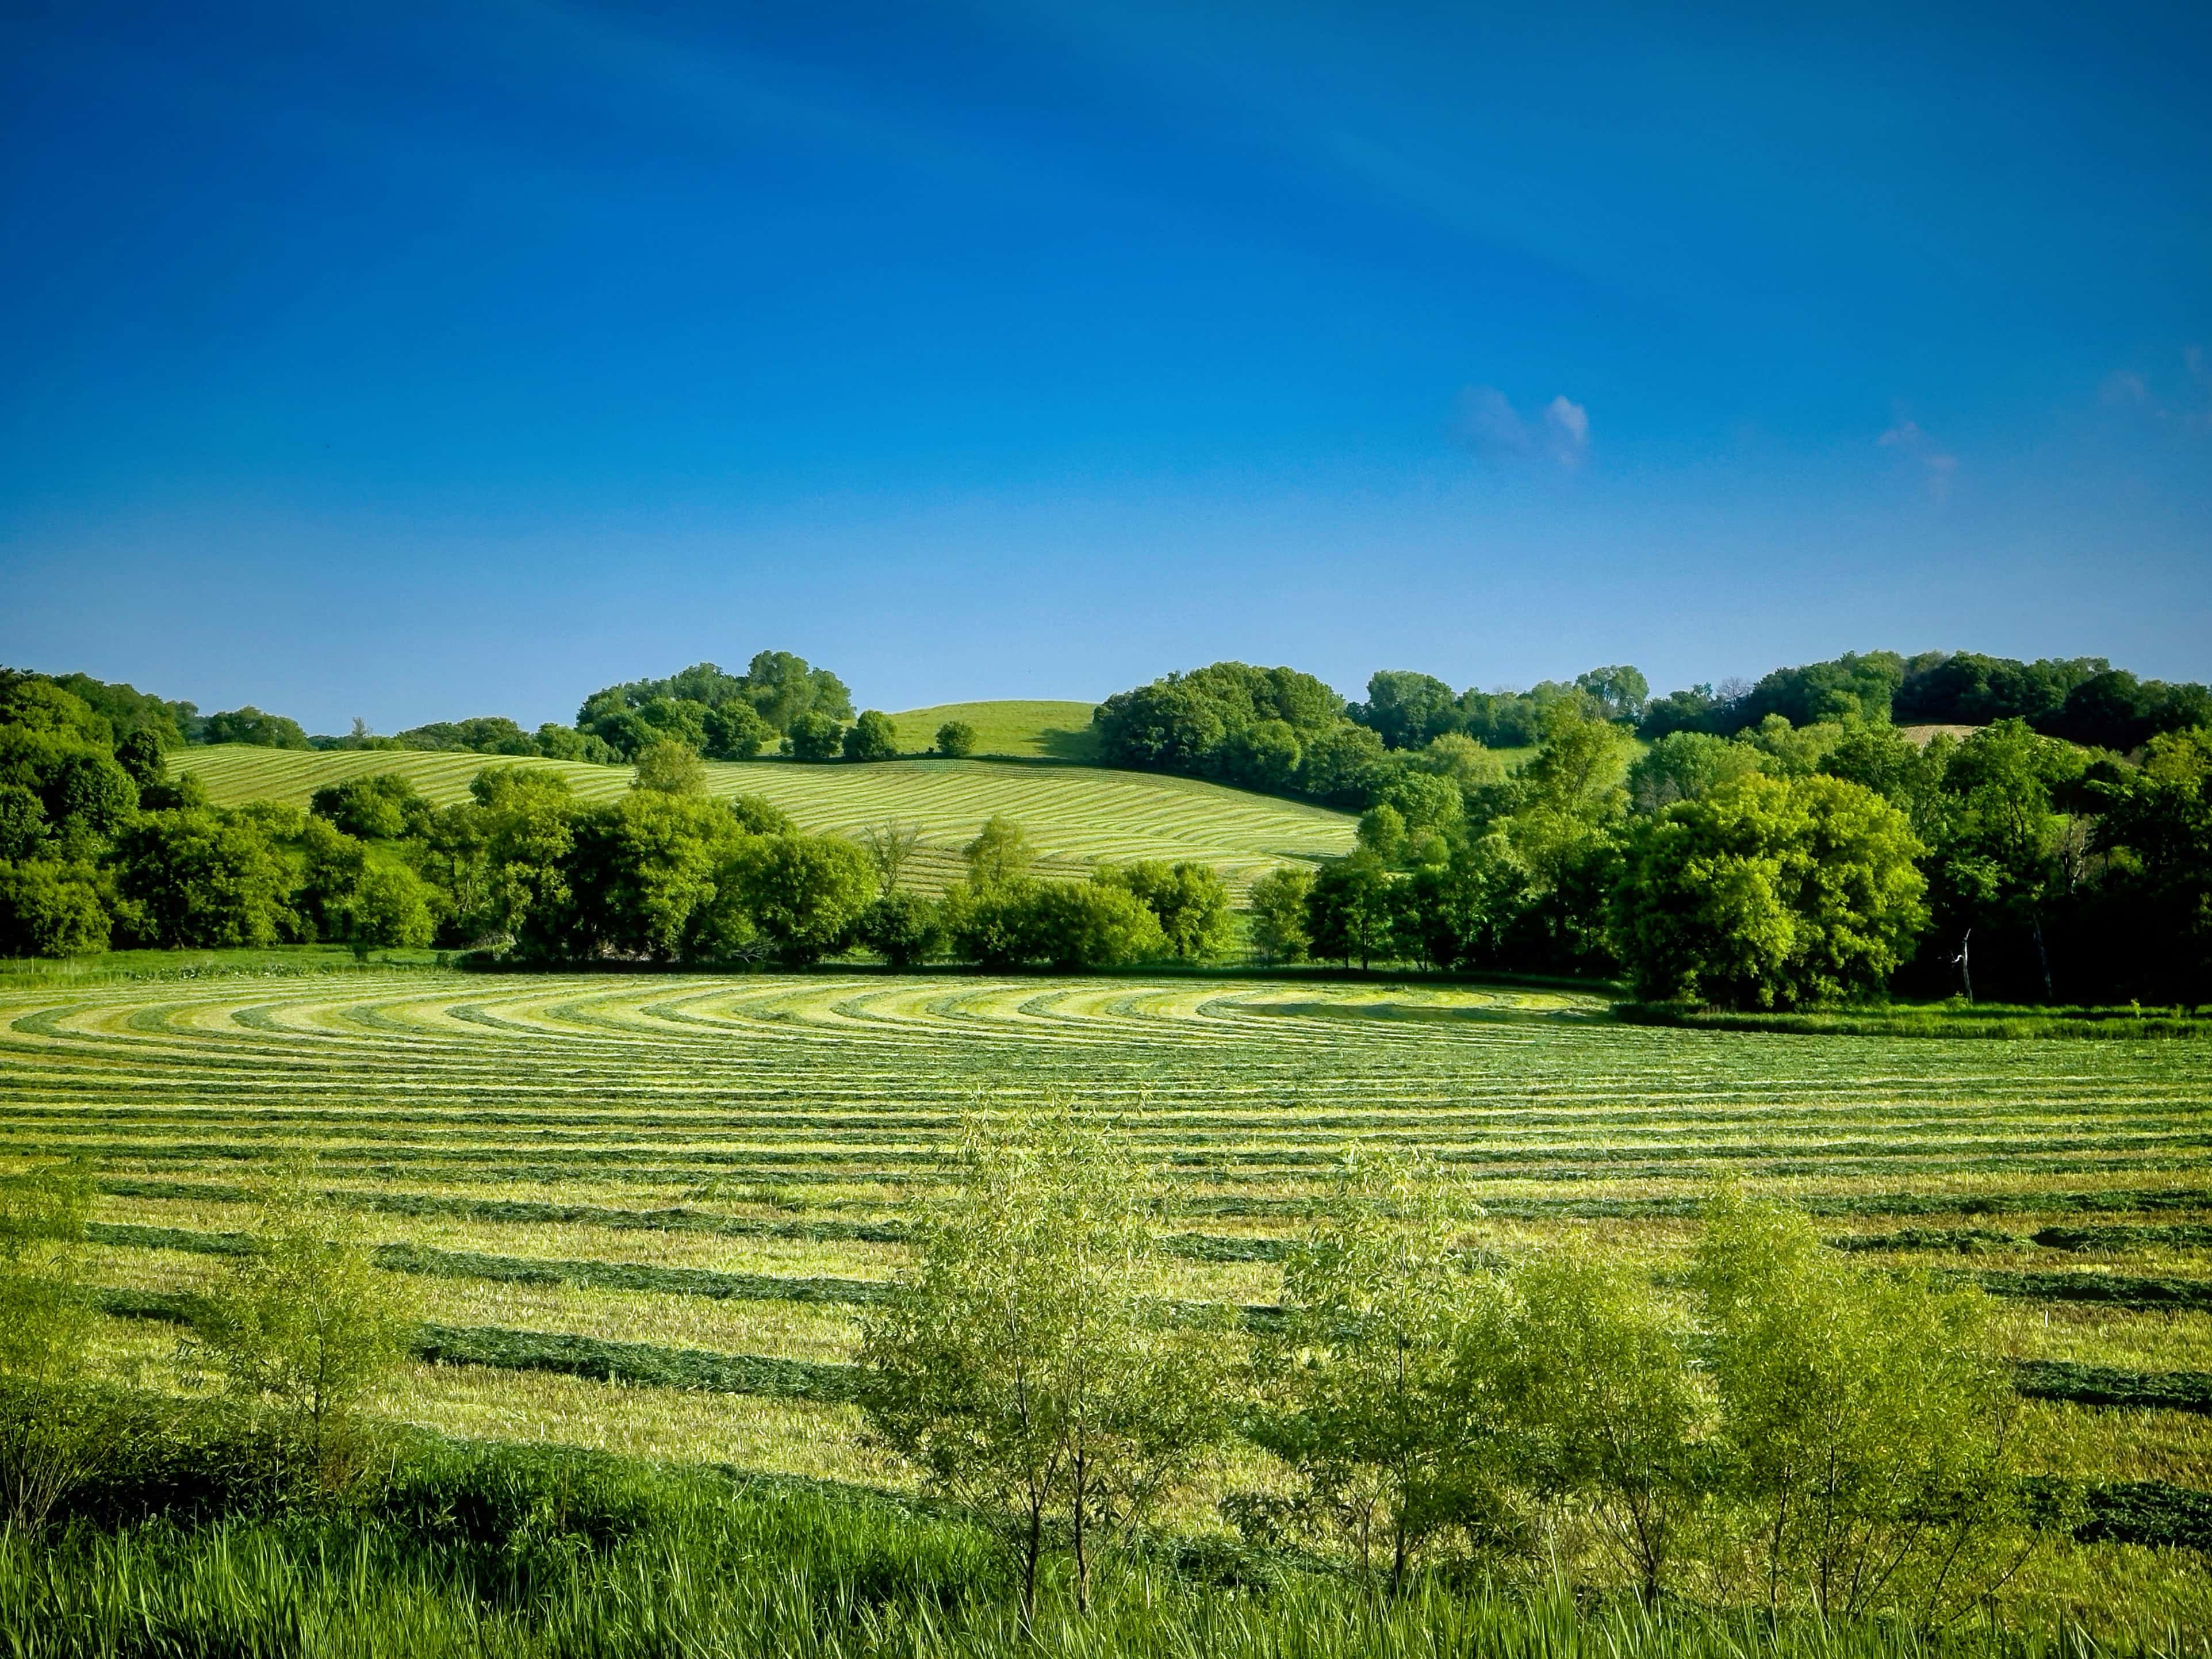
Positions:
{"x": 499, "y": 1552}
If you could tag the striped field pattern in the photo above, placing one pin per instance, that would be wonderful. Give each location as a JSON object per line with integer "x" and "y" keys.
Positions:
{"x": 1075, "y": 815}
{"x": 647, "y": 1212}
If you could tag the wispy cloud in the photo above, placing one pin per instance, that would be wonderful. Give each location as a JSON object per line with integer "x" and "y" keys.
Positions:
{"x": 2190, "y": 408}
{"x": 1938, "y": 466}
{"x": 1490, "y": 425}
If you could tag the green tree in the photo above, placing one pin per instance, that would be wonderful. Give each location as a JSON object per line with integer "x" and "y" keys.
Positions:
{"x": 381, "y": 807}
{"x": 1364, "y": 1388}
{"x": 1686, "y": 766}
{"x": 201, "y": 879}
{"x": 733, "y": 732}
{"x": 873, "y": 737}
{"x": 806, "y": 894}
{"x": 1348, "y": 910}
{"x": 49, "y": 908}
{"x": 391, "y": 907}
{"x": 1072, "y": 925}
{"x": 1621, "y": 691}
{"x": 1277, "y": 902}
{"x": 51, "y": 1429}
{"x": 815, "y": 736}
{"x": 670, "y": 767}
{"x": 955, "y": 739}
{"x": 304, "y": 1330}
{"x": 1030, "y": 1361}
{"x": 903, "y": 928}
{"x": 250, "y": 724}
{"x": 1868, "y": 1420}
{"x": 1769, "y": 892}
{"x": 1405, "y": 710}
{"x": 890, "y": 847}
{"x": 1001, "y": 853}
{"x": 1190, "y": 899}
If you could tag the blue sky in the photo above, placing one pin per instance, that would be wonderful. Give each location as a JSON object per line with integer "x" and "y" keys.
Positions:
{"x": 413, "y": 362}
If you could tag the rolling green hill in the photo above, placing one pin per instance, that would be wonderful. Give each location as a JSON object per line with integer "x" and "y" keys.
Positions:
{"x": 1075, "y": 815}
{"x": 1037, "y": 731}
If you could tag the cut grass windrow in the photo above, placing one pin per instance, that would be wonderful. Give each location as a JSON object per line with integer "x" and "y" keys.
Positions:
{"x": 2111, "y": 1385}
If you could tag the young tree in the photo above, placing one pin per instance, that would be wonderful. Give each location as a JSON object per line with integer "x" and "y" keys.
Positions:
{"x": 889, "y": 846}
{"x": 669, "y": 767}
{"x": 955, "y": 739}
{"x": 1365, "y": 1389}
{"x": 1000, "y": 855}
{"x": 1867, "y": 1419}
{"x": 304, "y": 1330}
{"x": 1028, "y": 1360}
{"x": 1279, "y": 914}
{"x": 873, "y": 737}
{"x": 50, "y": 1428}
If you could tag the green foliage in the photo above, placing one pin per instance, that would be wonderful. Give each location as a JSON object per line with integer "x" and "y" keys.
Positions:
{"x": 1027, "y": 1362}
{"x": 815, "y": 736}
{"x": 202, "y": 878}
{"x": 1769, "y": 892}
{"x": 1866, "y": 1420}
{"x": 1349, "y": 912}
{"x": 304, "y": 1331}
{"x": 49, "y": 909}
{"x": 955, "y": 739}
{"x": 51, "y": 1430}
{"x": 1190, "y": 901}
{"x": 382, "y": 806}
{"x": 872, "y": 736}
{"x": 250, "y": 724}
{"x": 1687, "y": 766}
{"x": 806, "y": 894}
{"x": 1000, "y": 853}
{"x": 905, "y": 929}
{"x": 670, "y": 767}
{"x": 1278, "y": 903}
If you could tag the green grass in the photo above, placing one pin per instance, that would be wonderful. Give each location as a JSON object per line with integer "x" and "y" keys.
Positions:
{"x": 1076, "y": 815}
{"x": 620, "y": 1197}
{"x": 1025, "y": 730}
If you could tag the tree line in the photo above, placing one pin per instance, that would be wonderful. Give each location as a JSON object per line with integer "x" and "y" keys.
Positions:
{"x": 1784, "y": 1430}
{"x": 1782, "y": 866}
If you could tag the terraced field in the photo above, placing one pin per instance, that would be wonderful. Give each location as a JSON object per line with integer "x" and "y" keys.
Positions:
{"x": 643, "y": 1211}
{"x": 1076, "y": 815}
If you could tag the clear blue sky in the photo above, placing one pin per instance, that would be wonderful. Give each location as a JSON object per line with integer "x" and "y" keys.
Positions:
{"x": 414, "y": 361}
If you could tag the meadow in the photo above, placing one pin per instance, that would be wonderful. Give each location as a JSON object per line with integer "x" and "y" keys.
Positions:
{"x": 1075, "y": 815}
{"x": 640, "y": 1214}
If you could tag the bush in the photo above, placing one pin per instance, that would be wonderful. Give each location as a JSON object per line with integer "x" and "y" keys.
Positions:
{"x": 815, "y": 736}
{"x": 902, "y": 928}
{"x": 955, "y": 739}
{"x": 873, "y": 737}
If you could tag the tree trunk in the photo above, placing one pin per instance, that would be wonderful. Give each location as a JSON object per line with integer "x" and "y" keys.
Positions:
{"x": 2042, "y": 959}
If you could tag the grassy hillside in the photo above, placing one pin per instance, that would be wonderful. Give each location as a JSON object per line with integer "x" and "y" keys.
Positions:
{"x": 1034, "y": 730}
{"x": 1075, "y": 815}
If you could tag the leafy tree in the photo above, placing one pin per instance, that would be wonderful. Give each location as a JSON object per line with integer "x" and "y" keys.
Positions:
{"x": 903, "y": 928}
{"x": 1348, "y": 910}
{"x": 806, "y": 894}
{"x": 1191, "y": 902}
{"x": 1464, "y": 912}
{"x": 670, "y": 767}
{"x": 1867, "y": 1420}
{"x": 1030, "y": 1361}
{"x": 2115, "y": 710}
{"x": 50, "y": 908}
{"x": 1769, "y": 892}
{"x": 51, "y": 1429}
{"x": 1000, "y": 855}
{"x": 1621, "y": 691}
{"x": 1858, "y": 683}
{"x": 1964, "y": 688}
{"x": 1606, "y": 1405}
{"x": 1341, "y": 765}
{"x": 250, "y": 724}
{"x": 1266, "y": 755}
{"x": 557, "y": 742}
{"x": 1363, "y": 1387}
{"x": 873, "y": 737}
{"x": 1072, "y": 925}
{"x": 129, "y": 712}
{"x": 1383, "y": 833}
{"x": 1687, "y": 766}
{"x": 1696, "y": 708}
{"x": 484, "y": 734}
{"x": 815, "y": 737}
{"x": 201, "y": 879}
{"x": 526, "y": 830}
{"x": 994, "y": 924}
{"x": 1279, "y": 900}
{"x": 955, "y": 739}
{"x": 381, "y": 807}
{"x": 391, "y": 907}
{"x": 734, "y": 731}
{"x": 642, "y": 877}
{"x": 1405, "y": 710}
{"x": 1908, "y": 775}
{"x": 305, "y": 1330}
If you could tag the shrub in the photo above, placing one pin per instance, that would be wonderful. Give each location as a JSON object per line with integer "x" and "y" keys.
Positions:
{"x": 956, "y": 739}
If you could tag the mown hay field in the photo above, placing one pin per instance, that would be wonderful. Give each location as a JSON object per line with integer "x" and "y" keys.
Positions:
{"x": 1043, "y": 731}
{"x": 1075, "y": 815}
{"x": 645, "y": 1212}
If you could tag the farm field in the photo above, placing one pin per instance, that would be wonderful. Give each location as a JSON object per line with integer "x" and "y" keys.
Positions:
{"x": 1039, "y": 731}
{"x": 1075, "y": 815}
{"x": 642, "y": 1213}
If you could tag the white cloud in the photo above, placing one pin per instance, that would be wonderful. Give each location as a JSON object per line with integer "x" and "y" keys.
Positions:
{"x": 1489, "y": 425}
{"x": 1938, "y": 467}
{"x": 2125, "y": 386}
